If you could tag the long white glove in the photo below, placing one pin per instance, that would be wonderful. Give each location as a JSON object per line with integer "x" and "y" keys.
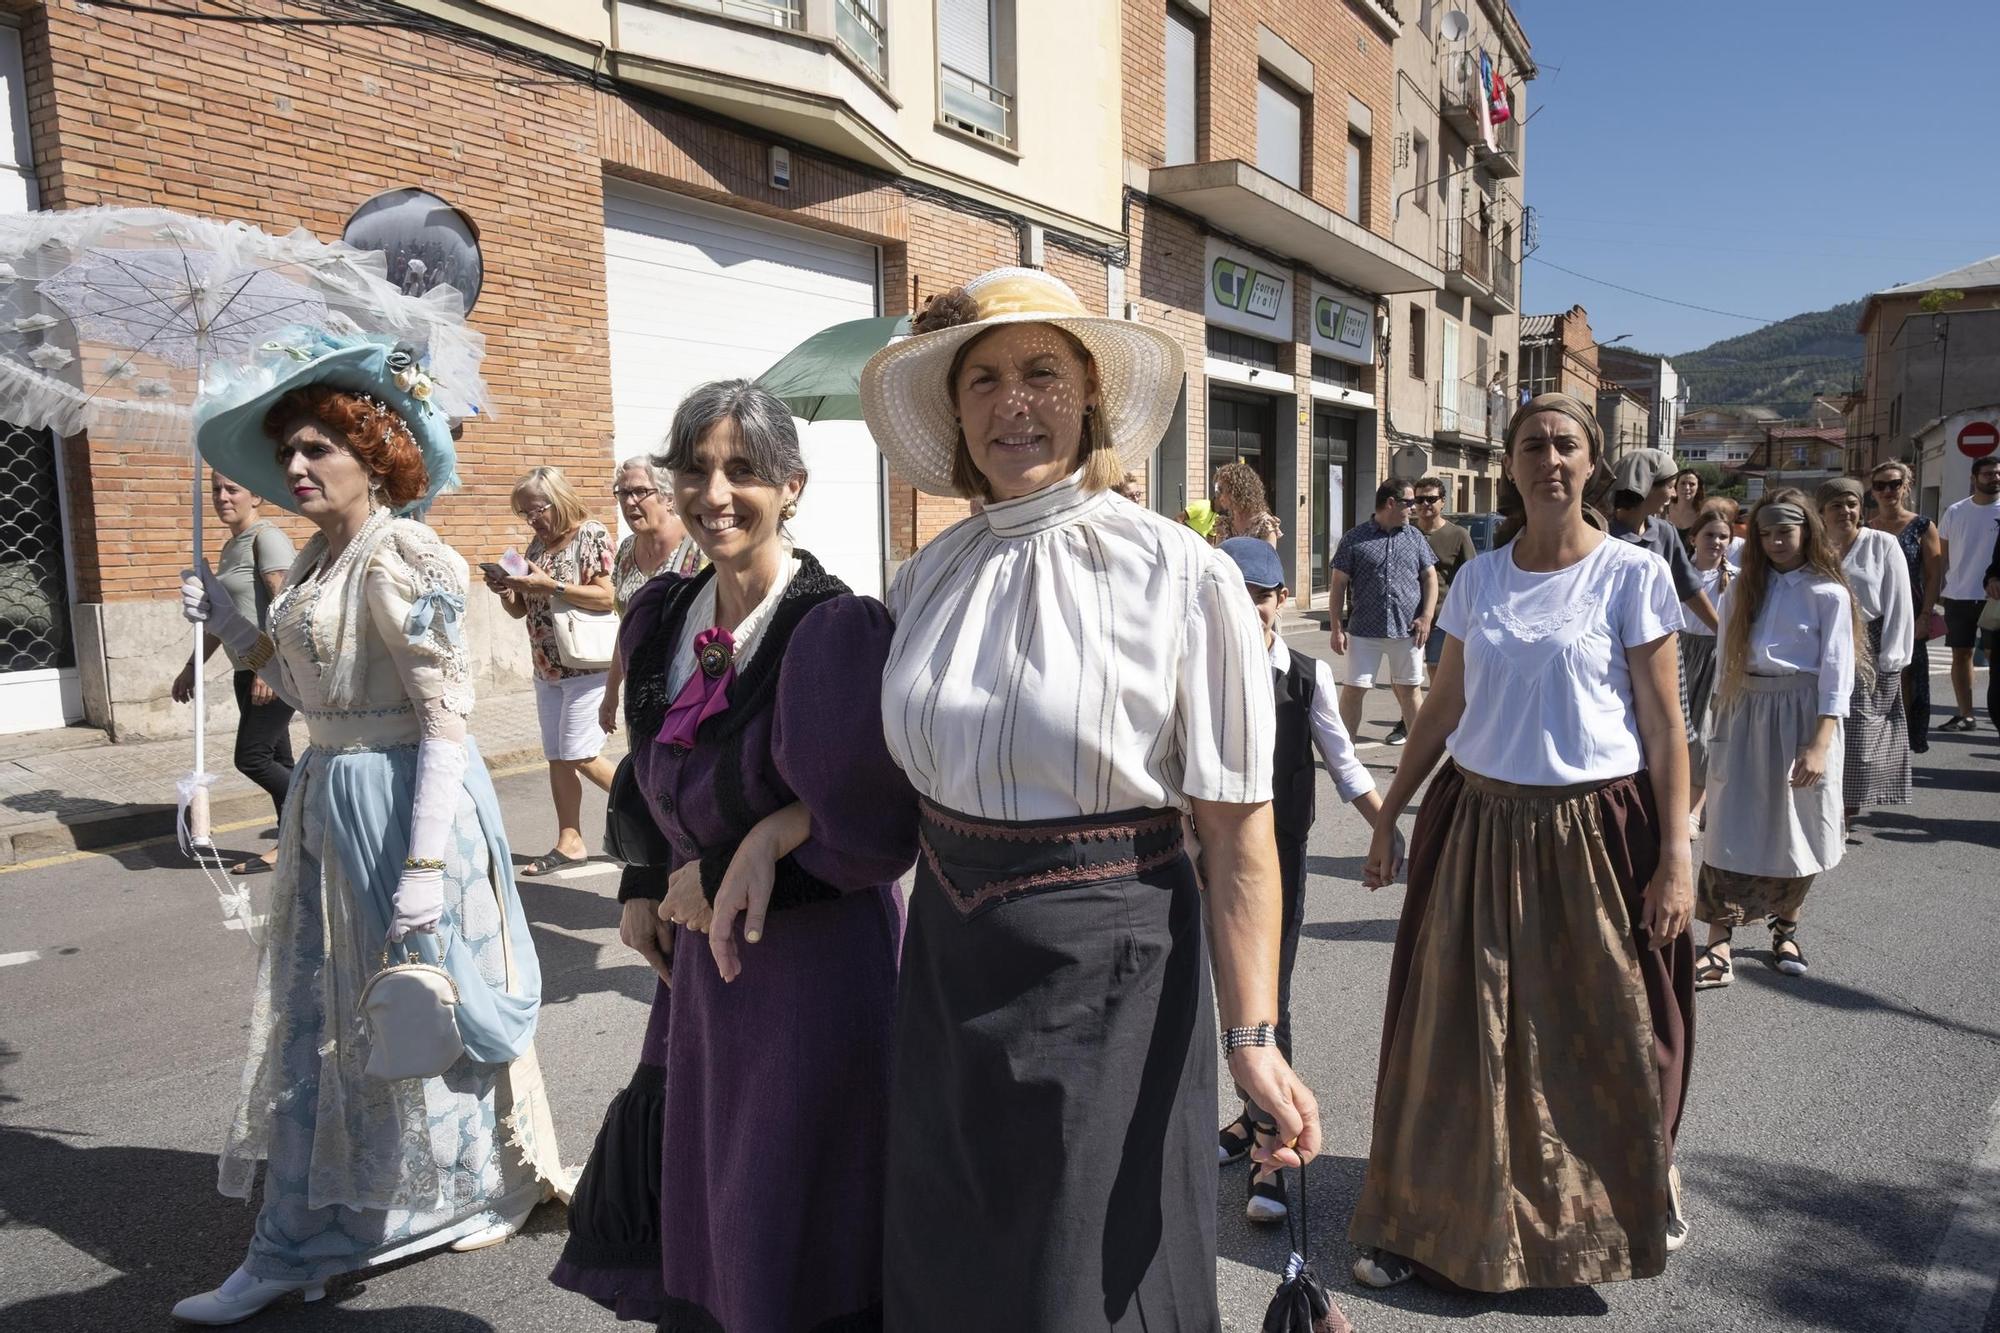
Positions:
{"x": 420, "y": 892}
{"x": 205, "y": 601}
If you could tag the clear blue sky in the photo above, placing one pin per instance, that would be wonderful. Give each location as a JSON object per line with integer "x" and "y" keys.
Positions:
{"x": 1765, "y": 157}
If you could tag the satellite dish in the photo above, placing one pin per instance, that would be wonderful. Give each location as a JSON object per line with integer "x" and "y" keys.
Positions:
{"x": 427, "y": 242}
{"x": 1455, "y": 26}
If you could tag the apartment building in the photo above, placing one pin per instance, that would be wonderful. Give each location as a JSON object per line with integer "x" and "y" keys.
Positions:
{"x": 1459, "y": 182}
{"x": 667, "y": 191}
{"x": 1928, "y": 354}
{"x": 1725, "y": 436}
{"x": 1654, "y": 383}
{"x": 1558, "y": 354}
{"x": 1259, "y": 159}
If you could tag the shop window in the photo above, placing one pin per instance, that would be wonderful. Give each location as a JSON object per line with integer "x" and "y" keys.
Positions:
{"x": 1243, "y": 348}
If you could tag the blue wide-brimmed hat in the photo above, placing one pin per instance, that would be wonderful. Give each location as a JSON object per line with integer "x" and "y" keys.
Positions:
{"x": 229, "y": 415}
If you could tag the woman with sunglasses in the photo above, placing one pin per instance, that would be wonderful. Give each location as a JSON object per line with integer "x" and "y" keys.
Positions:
{"x": 1924, "y": 552}
{"x": 657, "y": 547}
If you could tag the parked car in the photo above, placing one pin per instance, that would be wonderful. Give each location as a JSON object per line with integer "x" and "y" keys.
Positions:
{"x": 1481, "y": 526}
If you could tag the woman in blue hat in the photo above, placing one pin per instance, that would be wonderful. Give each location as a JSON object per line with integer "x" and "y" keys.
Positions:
{"x": 391, "y": 838}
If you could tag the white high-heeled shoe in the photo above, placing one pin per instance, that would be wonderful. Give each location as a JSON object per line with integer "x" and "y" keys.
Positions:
{"x": 241, "y": 1296}
{"x": 498, "y": 1231}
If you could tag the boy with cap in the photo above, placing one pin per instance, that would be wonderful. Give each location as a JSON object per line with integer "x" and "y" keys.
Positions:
{"x": 1307, "y": 719}
{"x": 1641, "y": 489}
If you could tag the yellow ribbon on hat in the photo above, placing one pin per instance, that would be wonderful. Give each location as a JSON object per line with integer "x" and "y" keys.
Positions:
{"x": 1025, "y": 295}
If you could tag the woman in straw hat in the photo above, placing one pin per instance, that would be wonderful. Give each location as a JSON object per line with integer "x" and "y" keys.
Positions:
{"x": 1790, "y": 655}
{"x": 1069, "y": 674}
{"x": 392, "y": 837}
{"x": 1540, "y": 1012}
{"x": 1876, "y": 733}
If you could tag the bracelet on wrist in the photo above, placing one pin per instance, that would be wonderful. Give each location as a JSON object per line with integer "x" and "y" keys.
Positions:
{"x": 423, "y": 863}
{"x": 1256, "y": 1034}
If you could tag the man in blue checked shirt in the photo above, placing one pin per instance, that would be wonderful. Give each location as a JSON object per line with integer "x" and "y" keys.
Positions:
{"x": 1385, "y": 571}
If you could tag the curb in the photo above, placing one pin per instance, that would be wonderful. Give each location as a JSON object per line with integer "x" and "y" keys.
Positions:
{"x": 124, "y": 824}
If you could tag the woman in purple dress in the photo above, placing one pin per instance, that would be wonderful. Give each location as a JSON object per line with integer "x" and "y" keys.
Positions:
{"x": 736, "y": 1185}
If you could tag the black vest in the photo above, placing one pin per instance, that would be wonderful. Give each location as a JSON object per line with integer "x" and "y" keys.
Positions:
{"x": 1293, "y": 774}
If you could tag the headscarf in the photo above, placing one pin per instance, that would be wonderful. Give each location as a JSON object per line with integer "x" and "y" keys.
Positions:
{"x": 1570, "y": 406}
{"x": 1835, "y": 489}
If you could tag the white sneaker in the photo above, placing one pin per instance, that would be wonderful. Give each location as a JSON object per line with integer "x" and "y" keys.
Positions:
{"x": 241, "y": 1296}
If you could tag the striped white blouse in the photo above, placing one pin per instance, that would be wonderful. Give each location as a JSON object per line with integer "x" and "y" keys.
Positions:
{"x": 1071, "y": 654}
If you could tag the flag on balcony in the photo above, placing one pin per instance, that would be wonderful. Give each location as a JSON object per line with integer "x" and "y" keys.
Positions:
{"x": 1484, "y": 101}
{"x": 1502, "y": 110}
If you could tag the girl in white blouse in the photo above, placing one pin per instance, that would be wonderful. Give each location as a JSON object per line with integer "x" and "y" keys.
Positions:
{"x": 1542, "y": 971}
{"x": 1877, "y": 732}
{"x": 1776, "y": 753}
{"x": 1710, "y": 538}
{"x": 1070, "y": 673}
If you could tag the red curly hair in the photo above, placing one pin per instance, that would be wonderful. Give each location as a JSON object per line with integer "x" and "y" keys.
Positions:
{"x": 374, "y": 433}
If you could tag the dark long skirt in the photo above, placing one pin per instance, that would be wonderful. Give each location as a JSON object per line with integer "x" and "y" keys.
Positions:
{"x": 1051, "y": 1121}
{"x": 1917, "y": 697}
{"x": 1536, "y": 1044}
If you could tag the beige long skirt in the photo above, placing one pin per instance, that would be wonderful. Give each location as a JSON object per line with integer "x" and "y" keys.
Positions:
{"x": 1536, "y": 1045}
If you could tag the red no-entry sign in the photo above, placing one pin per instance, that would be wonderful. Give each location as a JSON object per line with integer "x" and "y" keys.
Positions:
{"x": 1978, "y": 439}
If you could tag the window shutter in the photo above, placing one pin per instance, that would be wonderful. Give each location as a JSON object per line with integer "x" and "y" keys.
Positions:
{"x": 965, "y": 37}
{"x": 1180, "y": 87}
{"x": 1280, "y": 129}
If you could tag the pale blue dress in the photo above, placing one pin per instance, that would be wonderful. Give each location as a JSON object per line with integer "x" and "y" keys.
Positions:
{"x": 358, "y": 1170}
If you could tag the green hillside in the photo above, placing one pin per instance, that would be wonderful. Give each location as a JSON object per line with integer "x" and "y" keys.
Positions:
{"x": 1780, "y": 366}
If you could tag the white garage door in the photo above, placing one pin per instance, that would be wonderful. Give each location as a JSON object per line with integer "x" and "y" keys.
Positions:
{"x": 698, "y": 293}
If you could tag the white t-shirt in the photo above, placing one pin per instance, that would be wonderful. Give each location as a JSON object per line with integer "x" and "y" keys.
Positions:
{"x": 1548, "y": 695}
{"x": 1969, "y": 528}
{"x": 1711, "y": 583}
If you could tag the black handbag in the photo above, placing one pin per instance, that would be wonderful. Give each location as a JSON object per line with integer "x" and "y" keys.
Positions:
{"x": 630, "y": 834}
{"x": 1301, "y": 1303}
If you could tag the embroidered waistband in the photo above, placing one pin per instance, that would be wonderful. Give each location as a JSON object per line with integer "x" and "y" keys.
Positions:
{"x": 981, "y": 863}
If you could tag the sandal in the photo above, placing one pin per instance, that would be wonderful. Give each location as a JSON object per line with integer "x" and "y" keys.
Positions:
{"x": 1232, "y": 1141}
{"x": 1785, "y": 934}
{"x": 1381, "y": 1269}
{"x": 1267, "y": 1201}
{"x": 552, "y": 860}
{"x": 1712, "y": 969}
{"x": 256, "y": 865}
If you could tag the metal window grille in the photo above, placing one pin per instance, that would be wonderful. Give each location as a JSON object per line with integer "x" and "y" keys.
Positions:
{"x": 34, "y": 587}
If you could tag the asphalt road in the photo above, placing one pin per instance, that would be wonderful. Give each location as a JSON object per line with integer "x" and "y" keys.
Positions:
{"x": 1841, "y": 1149}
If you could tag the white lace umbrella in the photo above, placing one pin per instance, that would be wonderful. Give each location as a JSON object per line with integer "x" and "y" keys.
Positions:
{"x": 111, "y": 317}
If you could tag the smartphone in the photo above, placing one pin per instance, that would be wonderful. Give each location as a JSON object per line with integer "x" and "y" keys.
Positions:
{"x": 493, "y": 569}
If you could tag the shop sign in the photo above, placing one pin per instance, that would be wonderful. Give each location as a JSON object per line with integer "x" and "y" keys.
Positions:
{"x": 1343, "y": 324}
{"x": 1247, "y": 293}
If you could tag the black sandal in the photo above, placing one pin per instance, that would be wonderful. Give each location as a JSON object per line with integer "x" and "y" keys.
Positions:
{"x": 1267, "y": 1202}
{"x": 1232, "y": 1141}
{"x": 552, "y": 860}
{"x": 1785, "y": 933}
{"x": 1712, "y": 969}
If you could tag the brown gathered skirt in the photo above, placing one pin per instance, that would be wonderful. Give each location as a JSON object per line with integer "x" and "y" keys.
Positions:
{"x": 1536, "y": 1046}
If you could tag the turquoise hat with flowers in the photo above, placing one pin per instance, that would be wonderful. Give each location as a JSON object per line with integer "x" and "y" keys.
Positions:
{"x": 235, "y": 399}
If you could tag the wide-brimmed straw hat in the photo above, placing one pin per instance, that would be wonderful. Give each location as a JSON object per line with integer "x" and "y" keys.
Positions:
{"x": 907, "y": 403}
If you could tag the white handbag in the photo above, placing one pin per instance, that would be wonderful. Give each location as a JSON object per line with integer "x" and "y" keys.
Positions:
{"x": 411, "y": 1009}
{"x": 585, "y": 640}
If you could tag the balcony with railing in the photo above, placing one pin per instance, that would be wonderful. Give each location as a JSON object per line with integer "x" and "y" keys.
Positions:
{"x": 1478, "y": 267}
{"x": 857, "y": 28}
{"x": 1504, "y": 159}
{"x": 813, "y": 70}
{"x": 975, "y": 106}
{"x": 1470, "y": 413}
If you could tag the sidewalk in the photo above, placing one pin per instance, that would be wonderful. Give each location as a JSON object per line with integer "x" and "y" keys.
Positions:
{"x": 71, "y": 790}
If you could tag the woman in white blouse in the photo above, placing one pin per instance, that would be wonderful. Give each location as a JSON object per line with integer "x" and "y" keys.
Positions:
{"x": 1877, "y": 732}
{"x": 1789, "y": 634}
{"x": 1538, "y": 1028}
{"x": 1070, "y": 672}
{"x": 1710, "y": 537}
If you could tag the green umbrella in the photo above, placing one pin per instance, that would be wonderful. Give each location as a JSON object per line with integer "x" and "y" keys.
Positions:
{"x": 820, "y": 379}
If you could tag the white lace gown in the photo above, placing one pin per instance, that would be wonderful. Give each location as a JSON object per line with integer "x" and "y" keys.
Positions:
{"x": 357, "y": 1170}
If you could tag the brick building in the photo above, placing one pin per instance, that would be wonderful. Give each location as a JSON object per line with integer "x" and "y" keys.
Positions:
{"x": 1258, "y": 166}
{"x": 1655, "y": 384}
{"x": 666, "y": 193}
{"x": 1922, "y": 364}
{"x": 1559, "y": 355}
